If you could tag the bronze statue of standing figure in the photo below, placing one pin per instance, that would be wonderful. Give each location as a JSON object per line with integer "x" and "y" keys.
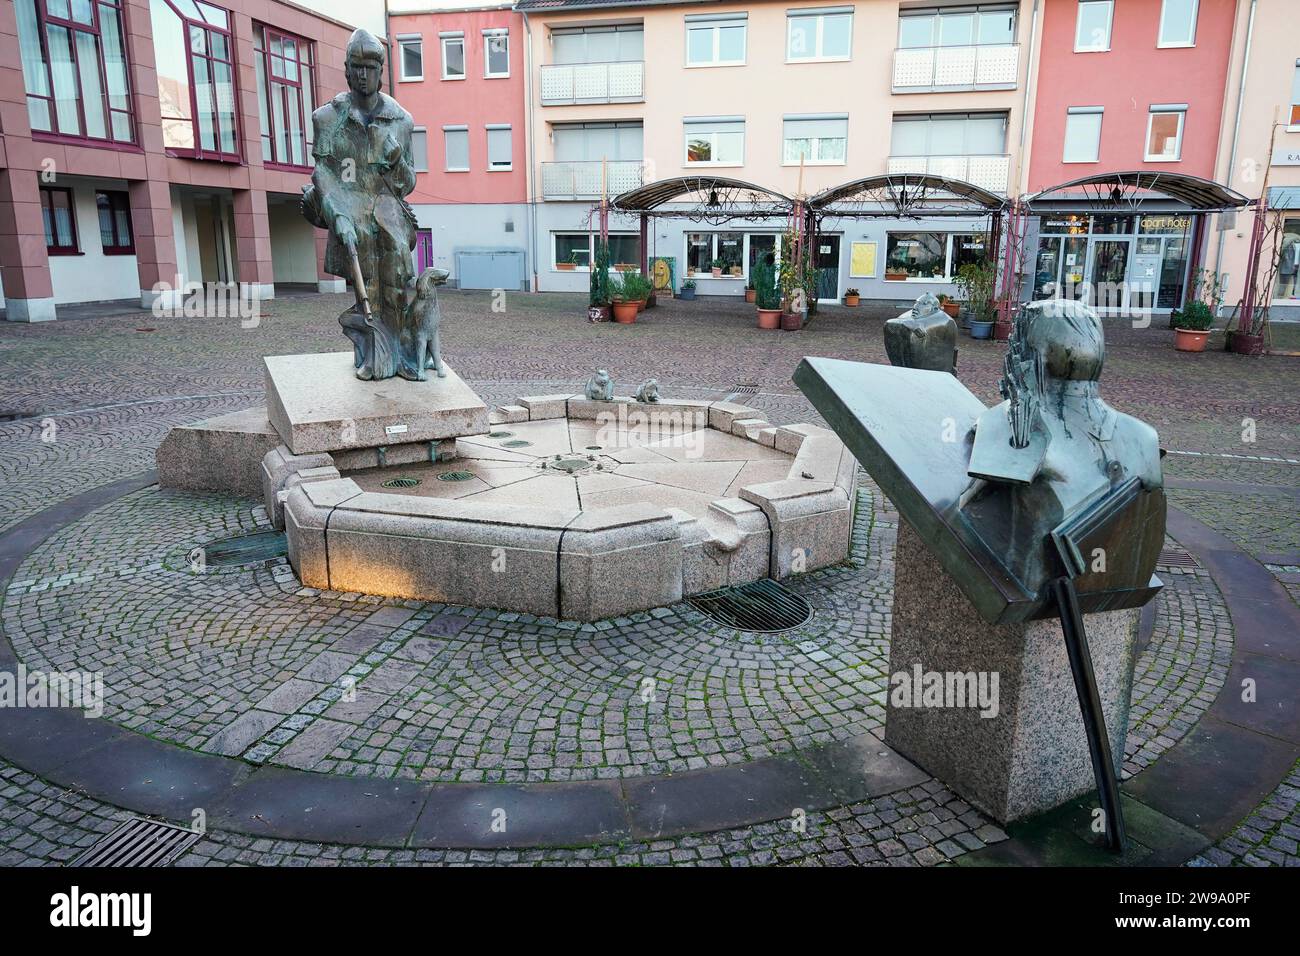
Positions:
{"x": 364, "y": 172}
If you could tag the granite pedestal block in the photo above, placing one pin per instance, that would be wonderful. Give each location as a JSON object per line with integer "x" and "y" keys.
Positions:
{"x": 317, "y": 403}
{"x": 220, "y": 454}
{"x": 1033, "y": 754}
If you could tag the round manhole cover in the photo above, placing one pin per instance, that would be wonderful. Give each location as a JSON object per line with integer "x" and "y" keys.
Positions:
{"x": 456, "y": 476}
{"x": 499, "y": 434}
{"x": 765, "y": 606}
{"x": 516, "y": 443}
{"x": 593, "y": 448}
{"x": 569, "y": 465}
{"x": 401, "y": 482}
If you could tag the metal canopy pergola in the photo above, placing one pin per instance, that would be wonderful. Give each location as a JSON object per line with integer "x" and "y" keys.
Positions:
{"x": 1126, "y": 191}
{"x": 905, "y": 196}
{"x": 712, "y": 199}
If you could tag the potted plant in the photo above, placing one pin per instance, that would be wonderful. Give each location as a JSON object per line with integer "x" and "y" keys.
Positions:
{"x": 736, "y": 271}
{"x": 767, "y": 297}
{"x": 599, "y": 292}
{"x": 575, "y": 259}
{"x": 751, "y": 295}
{"x": 716, "y": 268}
{"x": 851, "y": 297}
{"x": 976, "y": 281}
{"x": 1194, "y": 325}
{"x": 688, "y": 290}
{"x": 629, "y": 292}
{"x": 895, "y": 275}
{"x": 949, "y": 305}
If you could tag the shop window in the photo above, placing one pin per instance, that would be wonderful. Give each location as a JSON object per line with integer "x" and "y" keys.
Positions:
{"x": 455, "y": 141}
{"x": 1288, "y": 262}
{"x": 60, "y": 221}
{"x": 1165, "y": 133}
{"x": 703, "y": 249}
{"x": 716, "y": 41}
{"x": 572, "y": 247}
{"x": 625, "y": 250}
{"x": 917, "y": 255}
{"x": 1178, "y": 22}
{"x": 1092, "y": 28}
{"x": 411, "y": 57}
{"x": 496, "y": 54}
{"x": 823, "y": 35}
{"x": 196, "y": 78}
{"x": 285, "y": 96}
{"x": 815, "y": 140}
{"x": 719, "y": 142}
{"x": 74, "y": 68}
{"x": 968, "y": 249}
{"x": 500, "y": 149}
{"x": 115, "y": 223}
{"x": 420, "y": 150}
{"x": 453, "y": 56}
{"x": 1082, "y": 134}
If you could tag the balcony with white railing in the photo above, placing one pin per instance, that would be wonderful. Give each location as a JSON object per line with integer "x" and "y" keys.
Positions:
{"x": 941, "y": 69}
{"x": 988, "y": 172}
{"x": 581, "y": 180}
{"x": 568, "y": 84}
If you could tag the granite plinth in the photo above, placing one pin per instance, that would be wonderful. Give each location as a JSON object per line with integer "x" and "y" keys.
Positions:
{"x": 1033, "y": 754}
{"x": 317, "y": 404}
{"x": 219, "y": 454}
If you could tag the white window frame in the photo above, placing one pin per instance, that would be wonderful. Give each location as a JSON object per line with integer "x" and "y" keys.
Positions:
{"x": 445, "y": 39}
{"x": 715, "y": 25}
{"x": 402, "y": 41}
{"x": 1162, "y": 109}
{"x": 1177, "y": 44}
{"x": 1294, "y": 100}
{"x": 816, "y": 143}
{"x": 1065, "y": 139}
{"x": 498, "y": 127}
{"x": 1110, "y": 25}
{"x": 591, "y": 251}
{"x": 446, "y": 154}
{"x": 425, "y": 131}
{"x": 488, "y": 36}
{"x": 820, "y": 16}
{"x": 709, "y": 127}
{"x": 947, "y": 277}
{"x": 714, "y": 249}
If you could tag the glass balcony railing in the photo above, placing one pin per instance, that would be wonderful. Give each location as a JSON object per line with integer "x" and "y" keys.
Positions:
{"x": 935, "y": 69}
{"x": 990, "y": 172}
{"x": 581, "y": 180}
{"x": 565, "y": 84}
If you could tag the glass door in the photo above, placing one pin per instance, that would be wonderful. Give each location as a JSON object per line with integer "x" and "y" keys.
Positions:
{"x": 826, "y": 259}
{"x": 1108, "y": 272}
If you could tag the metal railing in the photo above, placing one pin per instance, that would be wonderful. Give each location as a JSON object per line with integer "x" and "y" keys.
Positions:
{"x": 581, "y": 180}
{"x": 569, "y": 83}
{"x": 930, "y": 69}
{"x": 989, "y": 172}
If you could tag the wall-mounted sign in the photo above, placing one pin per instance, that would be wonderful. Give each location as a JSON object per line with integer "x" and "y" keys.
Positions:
{"x": 1282, "y": 156}
{"x": 862, "y": 260}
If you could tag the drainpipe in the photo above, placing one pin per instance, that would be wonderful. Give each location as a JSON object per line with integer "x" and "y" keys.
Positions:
{"x": 1236, "y": 132}
{"x": 529, "y": 146}
{"x": 1024, "y": 109}
{"x": 388, "y": 41}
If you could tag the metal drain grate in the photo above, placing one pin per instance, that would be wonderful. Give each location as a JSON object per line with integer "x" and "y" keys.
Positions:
{"x": 400, "y": 483}
{"x": 499, "y": 434}
{"x": 764, "y": 606}
{"x": 745, "y": 388}
{"x": 139, "y": 842}
{"x": 456, "y": 476}
{"x": 516, "y": 443}
{"x": 594, "y": 447}
{"x": 246, "y": 549}
{"x": 1176, "y": 558}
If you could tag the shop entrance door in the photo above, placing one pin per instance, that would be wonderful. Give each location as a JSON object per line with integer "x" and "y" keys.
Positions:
{"x": 1107, "y": 272}
{"x": 826, "y": 257}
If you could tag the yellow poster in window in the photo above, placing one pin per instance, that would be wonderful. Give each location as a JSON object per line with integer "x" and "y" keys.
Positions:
{"x": 862, "y": 263}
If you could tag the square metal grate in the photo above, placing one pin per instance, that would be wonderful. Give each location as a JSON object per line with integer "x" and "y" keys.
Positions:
{"x": 139, "y": 842}
{"x": 1175, "y": 557}
{"x": 764, "y": 606}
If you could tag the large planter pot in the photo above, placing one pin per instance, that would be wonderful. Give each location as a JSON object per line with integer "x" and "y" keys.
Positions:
{"x": 625, "y": 312}
{"x": 640, "y": 305}
{"x": 1002, "y": 329}
{"x": 769, "y": 318}
{"x": 687, "y": 294}
{"x": 716, "y": 273}
{"x": 598, "y": 313}
{"x": 966, "y": 316}
{"x": 981, "y": 330}
{"x": 792, "y": 321}
{"x": 1244, "y": 343}
{"x": 751, "y": 295}
{"x": 1189, "y": 340}
{"x": 952, "y": 308}
{"x": 566, "y": 266}
{"x": 895, "y": 276}
{"x": 851, "y": 301}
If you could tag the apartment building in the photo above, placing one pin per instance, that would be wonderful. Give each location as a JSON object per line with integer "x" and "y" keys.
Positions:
{"x": 792, "y": 98}
{"x": 1259, "y": 151}
{"x": 460, "y": 72}
{"x": 146, "y": 144}
{"x": 1125, "y": 85}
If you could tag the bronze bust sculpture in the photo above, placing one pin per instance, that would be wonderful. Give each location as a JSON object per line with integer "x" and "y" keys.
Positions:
{"x": 923, "y": 337}
{"x": 364, "y": 172}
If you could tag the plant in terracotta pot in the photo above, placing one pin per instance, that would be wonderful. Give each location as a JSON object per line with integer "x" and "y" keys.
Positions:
{"x": 767, "y": 297}
{"x": 751, "y": 295}
{"x": 949, "y": 305}
{"x": 852, "y": 297}
{"x": 715, "y": 267}
{"x": 575, "y": 260}
{"x": 1194, "y": 325}
{"x": 630, "y": 292}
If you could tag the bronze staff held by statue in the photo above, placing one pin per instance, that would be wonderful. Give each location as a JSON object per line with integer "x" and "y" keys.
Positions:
{"x": 363, "y": 174}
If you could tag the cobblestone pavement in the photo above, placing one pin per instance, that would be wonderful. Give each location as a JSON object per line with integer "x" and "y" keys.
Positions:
{"x": 468, "y": 695}
{"x": 1270, "y": 836}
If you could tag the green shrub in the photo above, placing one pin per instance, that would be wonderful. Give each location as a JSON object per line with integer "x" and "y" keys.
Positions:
{"x": 766, "y": 294}
{"x": 1197, "y": 317}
